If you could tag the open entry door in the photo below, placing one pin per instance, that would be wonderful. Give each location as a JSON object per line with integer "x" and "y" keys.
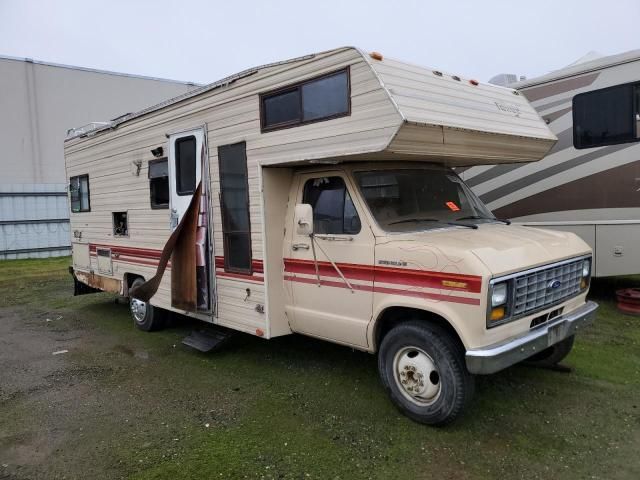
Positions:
{"x": 188, "y": 164}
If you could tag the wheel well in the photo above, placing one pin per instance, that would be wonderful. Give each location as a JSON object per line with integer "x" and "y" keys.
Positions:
{"x": 129, "y": 278}
{"x": 393, "y": 316}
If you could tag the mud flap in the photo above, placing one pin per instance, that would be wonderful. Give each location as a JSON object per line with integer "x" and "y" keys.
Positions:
{"x": 180, "y": 248}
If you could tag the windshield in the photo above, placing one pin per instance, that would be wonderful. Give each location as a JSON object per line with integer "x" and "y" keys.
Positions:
{"x": 412, "y": 199}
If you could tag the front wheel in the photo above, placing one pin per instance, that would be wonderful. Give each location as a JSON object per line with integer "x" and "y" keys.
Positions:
{"x": 145, "y": 316}
{"x": 423, "y": 370}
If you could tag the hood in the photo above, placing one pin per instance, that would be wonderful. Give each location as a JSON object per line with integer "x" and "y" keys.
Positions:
{"x": 503, "y": 248}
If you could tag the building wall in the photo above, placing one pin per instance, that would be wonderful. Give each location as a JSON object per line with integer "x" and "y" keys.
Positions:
{"x": 39, "y": 102}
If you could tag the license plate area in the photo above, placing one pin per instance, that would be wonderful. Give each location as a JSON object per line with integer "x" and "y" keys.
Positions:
{"x": 556, "y": 334}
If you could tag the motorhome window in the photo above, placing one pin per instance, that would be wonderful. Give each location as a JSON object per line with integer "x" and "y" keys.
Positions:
{"x": 185, "y": 153}
{"x": 317, "y": 99}
{"x": 234, "y": 203}
{"x": 333, "y": 209}
{"x": 159, "y": 183}
{"x": 606, "y": 117}
{"x": 419, "y": 199}
{"x": 79, "y": 190}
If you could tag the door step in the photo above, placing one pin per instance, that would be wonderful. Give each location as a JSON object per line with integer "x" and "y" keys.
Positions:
{"x": 207, "y": 340}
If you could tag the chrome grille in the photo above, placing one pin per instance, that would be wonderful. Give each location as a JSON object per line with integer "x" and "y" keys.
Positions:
{"x": 537, "y": 290}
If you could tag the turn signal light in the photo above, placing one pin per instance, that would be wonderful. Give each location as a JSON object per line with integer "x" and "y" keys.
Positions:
{"x": 497, "y": 313}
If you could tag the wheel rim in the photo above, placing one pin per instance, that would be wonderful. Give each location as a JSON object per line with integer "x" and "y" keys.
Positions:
{"x": 138, "y": 309}
{"x": 416, "y": 376}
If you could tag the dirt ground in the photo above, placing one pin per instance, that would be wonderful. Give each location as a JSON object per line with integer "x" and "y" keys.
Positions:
{"x": 84, "y": 395}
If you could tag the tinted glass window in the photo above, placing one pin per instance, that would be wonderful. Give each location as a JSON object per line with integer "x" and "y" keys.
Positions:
{"x": 310, "y": 101}
{"x": 605, "y": 117}
{"x": 159, "y": 183}
{"x": 79, "y": 190}
{"x": 333, "y": 209}
{"x": 282, "y": 108}
{"x": 234, "y": 202}
{"x": 326, "y": 97}
{"x": 186, "y": 165}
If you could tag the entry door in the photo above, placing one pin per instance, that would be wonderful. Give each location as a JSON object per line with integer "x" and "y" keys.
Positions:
{"x": 185, "y": 171}
{"x": 333, "y": 308}
{"x": 186, "y": 161}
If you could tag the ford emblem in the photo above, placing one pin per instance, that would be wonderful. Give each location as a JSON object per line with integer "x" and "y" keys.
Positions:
{"x": 554, "y": 284}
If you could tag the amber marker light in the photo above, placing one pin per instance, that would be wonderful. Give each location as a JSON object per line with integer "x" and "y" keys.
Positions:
{"x": 376, "y": 56}
{"x": 497, "y": 313}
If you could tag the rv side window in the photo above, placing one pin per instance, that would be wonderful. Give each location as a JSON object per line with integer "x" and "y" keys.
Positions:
{"x": 606, "y": 117}
{"x": 159, "y": 183}
{"x": 79, "y": 189}
{"x": 317, "y": 99}
{"x": 234, "y": 203}
{"x": 333, "y": 209}
{"x": 186, "y": 165}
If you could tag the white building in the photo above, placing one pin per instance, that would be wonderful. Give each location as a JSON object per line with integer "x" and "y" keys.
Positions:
{"x": 39, "y": 102}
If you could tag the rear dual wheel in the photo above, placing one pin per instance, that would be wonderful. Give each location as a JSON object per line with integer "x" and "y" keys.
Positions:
{"x": 422, "y": 368}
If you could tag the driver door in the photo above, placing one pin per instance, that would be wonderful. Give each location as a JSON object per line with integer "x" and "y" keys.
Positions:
{"x": 323, "y": 303}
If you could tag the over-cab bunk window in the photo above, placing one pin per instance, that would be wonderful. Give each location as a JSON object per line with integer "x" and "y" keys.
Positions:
{"x": 607, "y": 116}
{"x": 234, "y": 203}
{"x": 79, "y": 189}
{"x": 321, "y": 98}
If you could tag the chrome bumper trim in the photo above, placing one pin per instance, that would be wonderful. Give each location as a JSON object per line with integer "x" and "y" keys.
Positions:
{"x": 496, "y": 357}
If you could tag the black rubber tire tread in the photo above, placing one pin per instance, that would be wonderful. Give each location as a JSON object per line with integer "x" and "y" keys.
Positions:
{"x": 458, "y": 384}
{"x": 154, "y": 317}
{"x": 554, "y": 354}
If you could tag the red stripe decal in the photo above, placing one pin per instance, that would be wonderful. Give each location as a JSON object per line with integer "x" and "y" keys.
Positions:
{"x": 391, "y": 291}
{"x": 377, "y": 274}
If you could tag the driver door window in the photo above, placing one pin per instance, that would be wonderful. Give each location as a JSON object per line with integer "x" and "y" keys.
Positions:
{"x": 333, "y": 209}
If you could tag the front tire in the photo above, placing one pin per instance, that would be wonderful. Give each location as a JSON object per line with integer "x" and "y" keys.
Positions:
{"x": 422, "y": 368}
{"x": 145, "y": 316}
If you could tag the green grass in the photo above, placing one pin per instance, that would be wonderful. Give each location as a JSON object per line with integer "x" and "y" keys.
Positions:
{"x": 299, "y": 408}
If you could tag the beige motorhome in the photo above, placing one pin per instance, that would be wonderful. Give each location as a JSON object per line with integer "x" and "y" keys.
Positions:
{"x": 316, "y": 196}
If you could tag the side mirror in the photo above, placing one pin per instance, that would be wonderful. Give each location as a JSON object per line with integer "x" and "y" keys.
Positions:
{"x": 303, "y": 216}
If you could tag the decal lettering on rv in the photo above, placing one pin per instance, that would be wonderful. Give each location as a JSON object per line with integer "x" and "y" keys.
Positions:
{"x": 508, "y": 108}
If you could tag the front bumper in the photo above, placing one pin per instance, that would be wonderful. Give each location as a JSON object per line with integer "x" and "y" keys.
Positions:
{"x": 496, "y": 357}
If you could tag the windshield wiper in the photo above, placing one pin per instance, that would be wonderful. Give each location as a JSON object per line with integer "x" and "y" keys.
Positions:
{"x": 416, "y": 220}
{"x": 478, "y": 217}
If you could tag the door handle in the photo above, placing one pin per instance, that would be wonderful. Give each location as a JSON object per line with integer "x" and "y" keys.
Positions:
{"x": 298, "y": 246}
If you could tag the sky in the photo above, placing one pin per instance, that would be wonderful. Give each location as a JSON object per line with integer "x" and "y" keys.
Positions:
{"x": 203, "y": 41}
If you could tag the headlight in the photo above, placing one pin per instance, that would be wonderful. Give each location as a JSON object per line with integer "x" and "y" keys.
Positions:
{"x": 586, "y": 273}
{"x": 499, "y": 295}
{"x": 499, "y": 299}
{"x": 586, "y": 268}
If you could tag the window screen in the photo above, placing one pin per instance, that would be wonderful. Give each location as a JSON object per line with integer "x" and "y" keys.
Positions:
{"x": 333, "y": 209}
{"x": 310, "y": 101}
{"x": 79, "y": 190}
{"x": 234, "y": 202}
{"x": 606, "y": 117}
{"x": 159, "y": 183}
{"x": 185, "y": 153}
